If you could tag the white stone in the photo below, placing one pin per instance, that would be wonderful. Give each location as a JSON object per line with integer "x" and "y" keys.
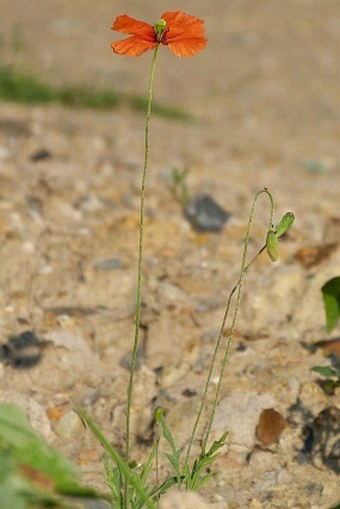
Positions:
{"x": 183, "y": 500}
{"x": 34, "y": 412}
{"x": 68, "y": 425}
{"x": 239, "y": 414}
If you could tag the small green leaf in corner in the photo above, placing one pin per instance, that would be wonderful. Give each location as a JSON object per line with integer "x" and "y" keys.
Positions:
{"x": 325, "y": 371}
{"x": 331, "y": 298}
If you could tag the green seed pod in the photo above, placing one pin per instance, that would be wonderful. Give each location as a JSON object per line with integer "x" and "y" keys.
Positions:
{"x": 284, "y": 225}
{"x": 272, "y": 246}
{"x": 160, "y": 27}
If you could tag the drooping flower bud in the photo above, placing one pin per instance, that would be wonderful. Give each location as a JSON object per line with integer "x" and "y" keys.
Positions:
{"x": 284, "y": 225}
{"x": 272, "y": 246}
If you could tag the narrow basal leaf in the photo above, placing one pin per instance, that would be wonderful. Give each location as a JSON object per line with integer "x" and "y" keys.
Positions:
{"x": 325, "y": 371}
{"x": 32, "y": 458}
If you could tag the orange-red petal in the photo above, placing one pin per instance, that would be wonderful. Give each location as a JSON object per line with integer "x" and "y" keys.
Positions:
{"x": 185, "y": 34}
{"x": 187, "y": 47}
{"x": 180, "y": 23}
{"x": 133, "y": 46}
{"x": 131, "y": 26}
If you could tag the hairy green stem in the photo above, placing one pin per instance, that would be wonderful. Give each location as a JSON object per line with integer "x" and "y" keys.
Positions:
{"x": 139, "y": 267}
{"x": 230, "y": 337}
{"x": 238, "y": 286}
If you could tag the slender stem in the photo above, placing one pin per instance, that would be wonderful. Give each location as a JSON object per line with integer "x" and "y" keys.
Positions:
{"x": 213, "y": 360}
{"x": 238, "y": 284}
{"x": 139, "y": 266}
{"x": 157, "y": 440}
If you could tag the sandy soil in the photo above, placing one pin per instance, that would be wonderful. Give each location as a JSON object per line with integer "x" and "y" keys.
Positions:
{"x": 265, "y": 99}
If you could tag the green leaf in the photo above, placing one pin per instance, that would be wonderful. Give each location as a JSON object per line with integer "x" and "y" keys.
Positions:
{"x": 158, "y": 491}
{"x": 331, "y": 298}
{"x": 10, "y": 499}
{"x": 325, "y": 371}
{"x": 28, "y": 448}
{"x": 174, "y": 457}
{"x": 113, "y": 480}
{"x": 218, "y": 444}
{"x": 199, "y": 474}
{"x": 331, "y": 385}
{"x": 133, "y": 480}
{"x": 24, "y": 455}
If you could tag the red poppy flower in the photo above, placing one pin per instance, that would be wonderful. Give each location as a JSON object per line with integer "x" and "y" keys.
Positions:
{"x": 184, "y": 34}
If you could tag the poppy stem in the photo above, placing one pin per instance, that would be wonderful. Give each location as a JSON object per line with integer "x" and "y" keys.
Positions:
{"x": 139, "y": 267}
{"x": 238, "y": 287}
{"x": 243, "y": 269}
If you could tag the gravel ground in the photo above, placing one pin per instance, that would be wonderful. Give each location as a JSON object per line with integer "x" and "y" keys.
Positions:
{"x": 264, "y": 97}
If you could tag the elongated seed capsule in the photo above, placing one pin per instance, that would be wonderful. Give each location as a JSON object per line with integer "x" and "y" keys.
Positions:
{"x": 284, "y": 225}
{"x": 272, "y": 246}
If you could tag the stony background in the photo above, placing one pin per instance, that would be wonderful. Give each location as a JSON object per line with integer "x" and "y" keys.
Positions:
{"x": 265, "y": 99}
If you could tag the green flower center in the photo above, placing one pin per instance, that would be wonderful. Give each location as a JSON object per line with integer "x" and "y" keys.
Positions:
{"x": 160, "y": 28}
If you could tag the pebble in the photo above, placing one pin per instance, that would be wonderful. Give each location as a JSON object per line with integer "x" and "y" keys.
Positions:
{"x": 183, "y": 500}
{"x": 69, "y": 424}
{"x": 28, "y": 247}
{"x": 90, "y": 203}
{"x": 34, "y": 412}
{"x": 312, "y": 398}
{"x": 72, "y": 357}
{"x": 4, "y": 153}
{"x": 239, "y": 414}
{"x": 111, "y": 263}
{"x": 69, "y": 341}
{"x": 40, "y": 155}
{"x": 205, "y": 215}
